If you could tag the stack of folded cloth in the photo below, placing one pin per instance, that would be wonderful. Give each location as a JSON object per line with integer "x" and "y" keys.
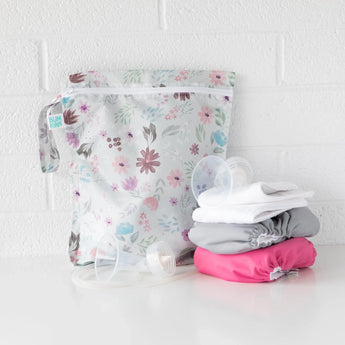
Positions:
{"x": 257, "y": 235}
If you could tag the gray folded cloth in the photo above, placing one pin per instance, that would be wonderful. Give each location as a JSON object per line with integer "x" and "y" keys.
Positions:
{"x": 230, "y": 238}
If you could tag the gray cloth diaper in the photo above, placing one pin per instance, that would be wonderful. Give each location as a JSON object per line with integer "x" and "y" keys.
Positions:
{"x": 222, "y": 238}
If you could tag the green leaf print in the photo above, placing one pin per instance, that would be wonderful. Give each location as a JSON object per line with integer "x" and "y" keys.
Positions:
{"x": 79, "y": 130}
{"x": 133, "y": 76}
{"x": 232, "y": 78}
{"x": 153, "y": 132}
{"x": 171, "y": 130}
{"x": 220, "y": 117}
{"x": 200, "y": 133}
{"x": 120, "y": 238}
{"x": 134, "y": 236}
{"x": 145, "y": 242}
{"x": 218, "y": 150}
{"x": 189, "y": 166}
{"x": 150, "y": 133}
{"x": 70, "y": 103}
{"x": 212, "y": 138}
{"x": 124, "y": 115}
{"x": 85, "y": 149}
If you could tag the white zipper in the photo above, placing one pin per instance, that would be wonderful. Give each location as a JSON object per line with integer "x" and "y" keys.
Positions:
{"x": 147, "y": 90}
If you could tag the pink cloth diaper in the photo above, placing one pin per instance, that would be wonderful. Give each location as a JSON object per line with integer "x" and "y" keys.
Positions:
{"x": 259, "y": 265}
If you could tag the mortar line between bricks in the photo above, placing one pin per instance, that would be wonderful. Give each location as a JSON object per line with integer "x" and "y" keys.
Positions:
{"x": 162, "y": 15}
{"x": 326, "y": 202}
{"x": 280, "y": 63}
{"x": 49, "y": 212}
{"x": 284, "y": 147}
{"x": 42, "y": 36}
{"x": 43, "y": 65}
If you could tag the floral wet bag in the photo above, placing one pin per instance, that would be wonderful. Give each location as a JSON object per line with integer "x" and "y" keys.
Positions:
{"x": 135, "y": 137}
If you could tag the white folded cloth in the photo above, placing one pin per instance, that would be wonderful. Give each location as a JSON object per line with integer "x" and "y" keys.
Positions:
{"x": 252, "y": 204}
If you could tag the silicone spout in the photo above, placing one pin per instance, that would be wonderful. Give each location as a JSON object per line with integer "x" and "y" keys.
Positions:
{"x": 109, "y": 259}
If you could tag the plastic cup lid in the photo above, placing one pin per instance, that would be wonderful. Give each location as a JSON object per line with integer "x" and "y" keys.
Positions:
{"x": 107, "y": 257}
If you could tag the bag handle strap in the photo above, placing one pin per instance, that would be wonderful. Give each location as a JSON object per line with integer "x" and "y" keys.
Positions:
{"x": 49, "y": 154}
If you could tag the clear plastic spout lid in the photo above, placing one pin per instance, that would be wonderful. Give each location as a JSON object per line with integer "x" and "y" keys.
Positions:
{"x": 213, "y": 179}
{"x": 110, "y": 259}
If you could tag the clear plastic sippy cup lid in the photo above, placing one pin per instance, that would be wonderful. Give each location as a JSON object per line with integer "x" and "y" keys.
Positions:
{"x": 107, "y": 257}
{"x": 214, "y": 178}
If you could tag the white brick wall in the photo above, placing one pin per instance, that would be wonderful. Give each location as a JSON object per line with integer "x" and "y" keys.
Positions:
{"x": 289, "y": 104}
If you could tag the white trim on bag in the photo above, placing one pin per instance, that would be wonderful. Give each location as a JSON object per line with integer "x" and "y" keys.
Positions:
{"x": 147, "y": 90}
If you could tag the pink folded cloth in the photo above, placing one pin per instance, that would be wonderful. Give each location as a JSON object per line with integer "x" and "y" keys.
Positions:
{"x": 259, "y": 265}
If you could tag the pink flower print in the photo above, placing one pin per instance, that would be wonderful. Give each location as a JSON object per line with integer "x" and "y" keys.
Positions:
{"x": 95, "y": 163}
{"x": 84, "y": 108}
{"x": 114, "y": 187}
{"x": 93, "y": 252}
{"x": 173, "y": 201}
{"x": 121, "y": 165}
{"x": 194, "y": 149}
{"x": 108, "y": 221}
{"x": 148, "y": 161}
{"x": 205, "y": 115}
{"x": 72, "y": 139}
{"x": 76, "y": 195}
{"x": 187, "y": 188}
{"x": 147, "y": 226}
{"x": 145, "y": 187}
{"x": 185, "y": 236}
{"x": 130, "y": 183}
{"x": 175, "y": 178}
{"x": 151, "y": 202}
{"x": 130, "y": 135}
{"x": 92, "y": 118}
{"x": 145, "y": 222}
{"x": 103, "y": 133}
{"x": 172, "y": 113}
{"x": 217, "y": 77}
{"x": 75, "y": 256}
{"x": 183, "y": 75}
{"x": 226, "y": 99}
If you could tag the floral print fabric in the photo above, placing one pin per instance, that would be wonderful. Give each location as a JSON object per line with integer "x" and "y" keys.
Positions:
{"x": 133, "y": 155}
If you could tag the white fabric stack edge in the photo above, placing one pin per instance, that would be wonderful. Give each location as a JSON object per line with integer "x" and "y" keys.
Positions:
{"x": 253, "y": 203}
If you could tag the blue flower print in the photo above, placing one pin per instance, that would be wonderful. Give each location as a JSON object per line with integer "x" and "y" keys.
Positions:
{"x": 201, "y": 189}
{"x": 124, "y": 228}
{"x": 220, "y": 138}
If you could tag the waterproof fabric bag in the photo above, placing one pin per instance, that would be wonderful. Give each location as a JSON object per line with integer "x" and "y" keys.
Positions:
{"x": 135, "y": 137}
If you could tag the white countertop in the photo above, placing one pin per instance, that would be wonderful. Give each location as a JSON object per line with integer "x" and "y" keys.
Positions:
{"x": 40, "y": 305}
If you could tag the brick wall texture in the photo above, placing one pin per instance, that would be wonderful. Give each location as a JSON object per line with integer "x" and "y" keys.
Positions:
{"x": 289, "y": 109}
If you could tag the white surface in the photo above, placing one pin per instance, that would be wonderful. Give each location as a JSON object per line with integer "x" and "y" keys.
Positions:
{"x": 40, "y": 305}
{"x": 288, "y": 118}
